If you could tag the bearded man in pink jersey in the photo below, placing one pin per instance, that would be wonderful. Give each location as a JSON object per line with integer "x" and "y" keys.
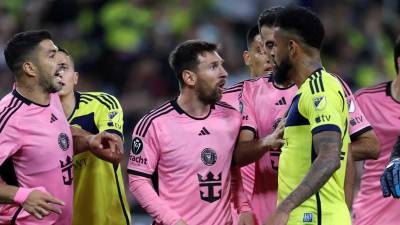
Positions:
{"x": 36, "y": 141}
{"x": 381, "y": 105}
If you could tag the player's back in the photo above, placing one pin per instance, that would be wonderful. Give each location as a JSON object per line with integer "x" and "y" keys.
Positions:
{"x": 36, "y": 145}
{"x": 98, "y": 185}
{"x": 192, "y": 157}
{"x": 318, "y": 105}
{"x": 383, "y": 112}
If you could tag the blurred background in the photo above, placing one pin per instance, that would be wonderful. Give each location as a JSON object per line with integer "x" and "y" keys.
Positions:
{"x": 121, "y": 47}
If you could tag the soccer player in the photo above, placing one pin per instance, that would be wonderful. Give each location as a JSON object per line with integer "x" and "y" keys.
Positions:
{"x": 36, "y": 141}
{"x": 266, "y": 96}
{"x": 381, "y": 105}
{"x": 98, "y": 184}
{"x": 189, "y": 141}
{"x": 312, "y": 164}
{"x": 256, "y": 59}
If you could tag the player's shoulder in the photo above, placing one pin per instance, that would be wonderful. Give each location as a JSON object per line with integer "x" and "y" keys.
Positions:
{"x": 377, "y": 89}
{"x": 101, "y": 99}
{"x": 154, "y": 116}
{"x": 10, "y": 109}
{"x": 320, "y": 82}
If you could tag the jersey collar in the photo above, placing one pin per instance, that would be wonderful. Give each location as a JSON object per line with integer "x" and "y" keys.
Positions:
{"x": 181, "y": 111}
{"x": 25, "y": 100}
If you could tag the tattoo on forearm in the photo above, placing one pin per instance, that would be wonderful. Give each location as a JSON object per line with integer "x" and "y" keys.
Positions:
{"x": 327, "y": 145}
{"x": 396, "y": 150}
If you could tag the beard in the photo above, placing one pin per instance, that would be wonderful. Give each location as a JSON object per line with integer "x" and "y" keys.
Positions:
{"x": 207, "y": 94}
{"x": 49, "y": 84}
{"x": 281, "y": 72}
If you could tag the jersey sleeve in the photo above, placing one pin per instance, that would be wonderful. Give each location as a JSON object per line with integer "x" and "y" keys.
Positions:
{"x": 358, "y": 123}
{"x": 110, "y": 118}
{"x": 9, "y": 140}
{"x": 246, "y": 103}
{"x": 145, "y": 151}
{"x": 323, "y": 109}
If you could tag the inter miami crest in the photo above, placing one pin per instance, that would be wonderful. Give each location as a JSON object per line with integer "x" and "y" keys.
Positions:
{"x": 137, "y": 146}
{"x": 63, "y": 141}
{"x": 208, "y": 156}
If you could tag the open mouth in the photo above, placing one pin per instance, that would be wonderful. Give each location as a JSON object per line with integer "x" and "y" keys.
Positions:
{"x": 221, "y": 85}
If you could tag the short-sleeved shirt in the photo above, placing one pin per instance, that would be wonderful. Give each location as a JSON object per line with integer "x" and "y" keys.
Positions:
{"x": 383, "y": 112}
{"x": 319, "y": 105}
{"x": 257, "y": 98}
{"x": 192, "y": 157}
{"x": 35, "y": 150}
{"x": 96, "y": 112}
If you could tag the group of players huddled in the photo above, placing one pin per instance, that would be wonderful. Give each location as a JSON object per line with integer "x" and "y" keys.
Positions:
{"x": 279, "y": 148}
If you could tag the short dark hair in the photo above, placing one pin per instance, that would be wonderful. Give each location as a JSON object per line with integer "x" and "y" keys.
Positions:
{"x": 397, "y": 54}
{"x": 21, "y": 45}
{"x": 304, "y": 23}
{"x": 251, "y": 34}
{"x": 66, "y": 52}
{"x": 268, "y": 16}
{"x": 185, "y": 56}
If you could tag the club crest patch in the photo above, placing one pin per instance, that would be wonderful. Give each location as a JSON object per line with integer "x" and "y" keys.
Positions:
{"x": 208, "y": 156}
{"x": 319, "y": 103}
{"x": 137, "y": 146}
{"x": 63, "y": 141}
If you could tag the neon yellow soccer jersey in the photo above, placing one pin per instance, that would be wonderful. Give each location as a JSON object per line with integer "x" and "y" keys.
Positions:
{"x": 99, "y": 193}
{"x": 319, "y": 105}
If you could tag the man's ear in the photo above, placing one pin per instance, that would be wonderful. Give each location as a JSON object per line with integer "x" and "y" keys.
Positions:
{"x": 76, "y": 78}
{"x": 293, "y": 48}
{"x": 29, "y": 68}
{"x": 188, "y": 77}
{"x": 246, "y": 58}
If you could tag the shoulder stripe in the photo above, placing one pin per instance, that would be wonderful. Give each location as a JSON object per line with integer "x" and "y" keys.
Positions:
{"x": 11, "y": 102}
{"x": 143, "y": 133}
{"x": 370, "y": 92}
{"x": 97, "y": 98}
{"x": 141, "y": 123}
{"x": 224, "y": 104}
{"x": 84, "y": 101}
{"x": 7, "y": 115}
{"x": 316, "y": 84}
{"x": 376, "y": 86}
{"x": 86, "y": 98}
{"x": 112, "y": 98}
{"x": 240, "y": 84}
{"x": 111, "y": 104}
{"x": 232, "y": 90}
{"x": 341, "y": 95}
{"x": 347, "y": 92}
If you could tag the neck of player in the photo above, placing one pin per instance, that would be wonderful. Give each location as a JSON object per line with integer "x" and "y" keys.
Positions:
{"x": 68, "y": 102}
{"x": 192, "y": 105}
{"x": 34, "y": 94}
{"x": 304, "y": 66}
{"x": 396, "y": 88}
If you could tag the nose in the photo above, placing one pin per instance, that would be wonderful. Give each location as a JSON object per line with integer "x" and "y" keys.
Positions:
{"x": 224, "y": 74}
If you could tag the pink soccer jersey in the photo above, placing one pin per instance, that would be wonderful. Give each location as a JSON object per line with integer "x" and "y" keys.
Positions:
{"x": 263, "y": 104}
{"x": 36, "y": 150}
{"x": 192, "y": 157}
{"x": 383, "y": 112}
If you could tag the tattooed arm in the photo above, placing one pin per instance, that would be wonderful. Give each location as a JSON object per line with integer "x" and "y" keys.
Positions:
{"x": 327, "y": 145}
